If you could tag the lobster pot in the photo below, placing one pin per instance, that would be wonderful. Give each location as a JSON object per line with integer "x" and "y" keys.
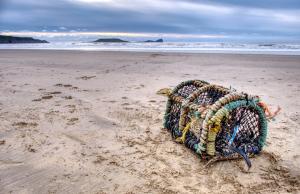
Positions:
{"x": 214, "y": 121}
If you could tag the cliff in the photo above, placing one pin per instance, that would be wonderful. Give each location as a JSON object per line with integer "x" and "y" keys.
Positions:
{"x": 110, "y": 40}
{"x": 15, "y": 40}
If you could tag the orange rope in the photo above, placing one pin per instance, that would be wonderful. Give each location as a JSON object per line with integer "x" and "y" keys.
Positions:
{"x": 268, "y": 112}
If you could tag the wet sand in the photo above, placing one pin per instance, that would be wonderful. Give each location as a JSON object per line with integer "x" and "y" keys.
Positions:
{"x": 91, "y": 122}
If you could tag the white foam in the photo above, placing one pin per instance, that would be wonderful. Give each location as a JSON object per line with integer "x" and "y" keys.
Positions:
{"x": 182, "y": 47}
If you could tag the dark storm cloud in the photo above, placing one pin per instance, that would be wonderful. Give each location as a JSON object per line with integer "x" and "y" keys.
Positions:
{"x": 268, "y": 4}
{"x": 269, "y": 17}
{"x": 27, "y": 16}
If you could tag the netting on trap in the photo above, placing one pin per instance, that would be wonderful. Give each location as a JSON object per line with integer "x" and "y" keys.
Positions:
{"x": 214, "y": 121}
{"x": 179, "y": 94}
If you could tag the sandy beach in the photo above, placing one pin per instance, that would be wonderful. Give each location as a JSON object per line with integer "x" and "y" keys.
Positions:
{"x": 91, "y": 122}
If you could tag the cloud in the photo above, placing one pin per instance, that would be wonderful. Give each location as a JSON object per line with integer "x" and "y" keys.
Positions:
{"x": 266, "y": 4}
{"x": 62, "y": 28}
{"x": 230, "y": 17}
{"x": 156, "y": 6}
{"x": 111, "y": 34}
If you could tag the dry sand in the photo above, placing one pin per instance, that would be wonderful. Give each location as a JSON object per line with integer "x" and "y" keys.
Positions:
{"x": 90, "y": 122}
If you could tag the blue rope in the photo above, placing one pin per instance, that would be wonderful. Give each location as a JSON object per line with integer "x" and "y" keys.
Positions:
{"x": 235, "y": 130}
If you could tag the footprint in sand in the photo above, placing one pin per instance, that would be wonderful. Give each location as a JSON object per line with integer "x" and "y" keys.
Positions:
{"x": 66, "y": 86}
{"x": 23, "y": 124}
{"x": 74, "y": 138}
{"x": 47, "y": 97}
{"x": 295, "y": 156}
{"x": 30, "y": 148}
{"x": 54, "y": 93}
{"x": 72, "y": 108}
{"x": 72, "y": 121}
{"x": 128, "y": 108}
{"x": 68, "y": 97}
{"x": 63, "y": 85}
{"x": 99, "y": 159}
{"x": 36, "y": 100}
{"x": 86, "y": 77}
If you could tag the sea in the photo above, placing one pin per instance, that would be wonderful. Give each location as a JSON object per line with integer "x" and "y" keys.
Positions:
{"x": 175, "y": 47}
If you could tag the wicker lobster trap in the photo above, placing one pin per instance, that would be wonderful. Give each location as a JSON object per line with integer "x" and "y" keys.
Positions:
{"x": 216, "y": 122}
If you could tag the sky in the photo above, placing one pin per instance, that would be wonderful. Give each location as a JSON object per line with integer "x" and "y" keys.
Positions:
{"x": 187, "y": 20}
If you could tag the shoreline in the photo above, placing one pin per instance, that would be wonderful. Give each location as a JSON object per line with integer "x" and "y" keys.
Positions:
{"x": 167, "y": 47}
{"x": 153, "y": 52}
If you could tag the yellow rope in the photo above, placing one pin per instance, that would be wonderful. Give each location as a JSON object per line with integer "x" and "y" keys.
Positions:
{"x": 164, "y": 92}
{"x": 184, "y": 131}
{"x": 211, "y": 138}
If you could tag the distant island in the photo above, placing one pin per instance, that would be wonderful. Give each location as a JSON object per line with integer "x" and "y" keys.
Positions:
{"x": 110, "y": 40}
{"x": 158, "y": 40}
{"x": 15, "y": 40}
{"x": 266, "y": 44}
{"x": 117, "y": 40}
